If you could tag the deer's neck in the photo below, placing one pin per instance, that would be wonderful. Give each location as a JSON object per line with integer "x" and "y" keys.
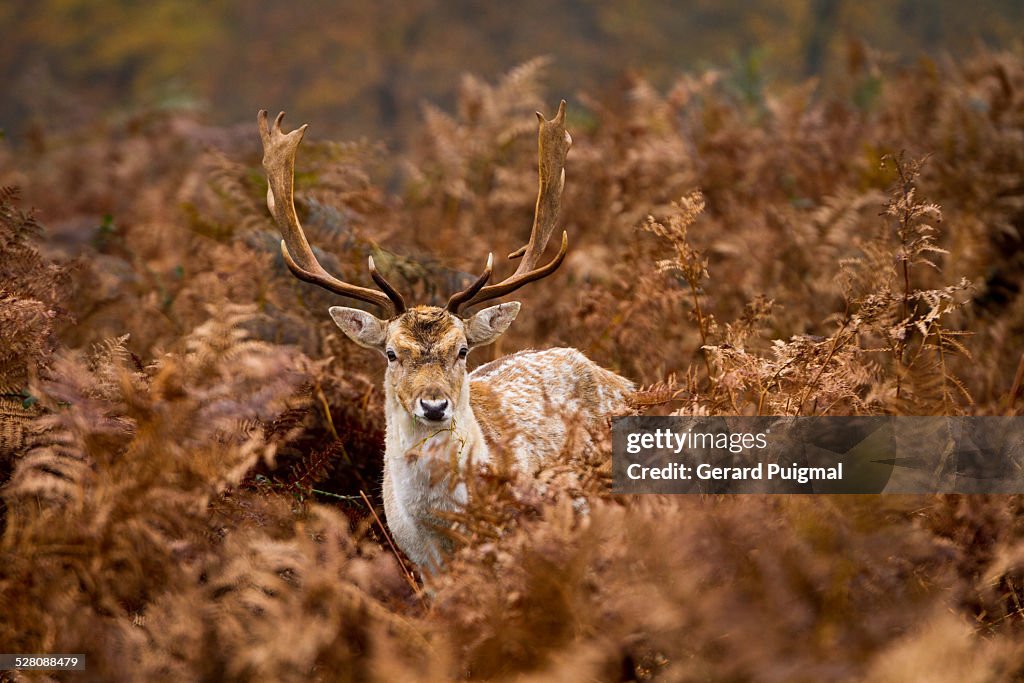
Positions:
{"x": 423, "y": 465}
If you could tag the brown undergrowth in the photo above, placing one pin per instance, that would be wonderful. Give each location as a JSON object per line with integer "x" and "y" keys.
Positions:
{"x": 192, "y": 492}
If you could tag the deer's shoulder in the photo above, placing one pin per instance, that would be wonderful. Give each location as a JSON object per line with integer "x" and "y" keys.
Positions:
{"x": 548, "y": 371}
{"x": 522, "y": 396}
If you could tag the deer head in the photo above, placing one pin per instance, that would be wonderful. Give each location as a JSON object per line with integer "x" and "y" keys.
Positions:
{"x": 426, "y": 346}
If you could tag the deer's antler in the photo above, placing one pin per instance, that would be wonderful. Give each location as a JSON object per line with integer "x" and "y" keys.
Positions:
{"x": 553, "y": 143}
{"x": 458, "y": 299}
{"x": 279, "y": 162}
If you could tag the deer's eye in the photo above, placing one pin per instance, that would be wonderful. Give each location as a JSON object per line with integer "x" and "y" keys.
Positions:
{"x": 462, "y": 353}
{"x": 391, "y": 356}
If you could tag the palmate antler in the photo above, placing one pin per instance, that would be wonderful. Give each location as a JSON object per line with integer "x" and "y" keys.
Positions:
{"x": 279, "y": 162}
{"x": 279, "y": 150}
{"x": 553, "y": 143}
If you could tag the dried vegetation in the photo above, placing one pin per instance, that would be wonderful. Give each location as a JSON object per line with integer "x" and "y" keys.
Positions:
{"x": 191, "y": 454}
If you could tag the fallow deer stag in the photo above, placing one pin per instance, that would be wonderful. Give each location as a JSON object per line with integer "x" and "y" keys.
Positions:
{"x": 435, "y": 410}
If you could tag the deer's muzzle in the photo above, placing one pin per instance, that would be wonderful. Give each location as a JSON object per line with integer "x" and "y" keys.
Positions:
{"x": 434, "y": 410}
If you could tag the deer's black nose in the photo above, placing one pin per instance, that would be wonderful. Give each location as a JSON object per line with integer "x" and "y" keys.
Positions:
{"x": 434, "y": 410}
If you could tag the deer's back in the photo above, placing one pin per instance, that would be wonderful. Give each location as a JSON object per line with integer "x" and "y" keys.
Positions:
{"x": 527, "y": 402}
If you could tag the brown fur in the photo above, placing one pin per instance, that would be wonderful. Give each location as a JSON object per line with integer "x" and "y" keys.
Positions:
{"x": 426, "y": 341}
{"x": 513, "y": 413}
{"x": 523, "y": 401}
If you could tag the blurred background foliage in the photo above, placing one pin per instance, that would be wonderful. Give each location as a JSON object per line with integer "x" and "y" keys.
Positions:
{"x": 778, "y": 208}
{"x": 364, "y": 68}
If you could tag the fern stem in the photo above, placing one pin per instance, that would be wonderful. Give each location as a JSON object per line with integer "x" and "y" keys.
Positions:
{"x": 338, "y": 496}
{"x": 1015, "y": 390}
{"x": 821, "y": 370}
{"x": 401, "y": 563}
{"x": 701, "y": 325}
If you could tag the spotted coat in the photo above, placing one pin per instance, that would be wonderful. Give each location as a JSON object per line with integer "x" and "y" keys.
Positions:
{"x": 516, "y": 408}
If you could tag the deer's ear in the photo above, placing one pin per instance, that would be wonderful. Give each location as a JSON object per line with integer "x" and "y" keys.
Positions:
{"x": 489, "y": 324}
{"x": 361, "y": 327}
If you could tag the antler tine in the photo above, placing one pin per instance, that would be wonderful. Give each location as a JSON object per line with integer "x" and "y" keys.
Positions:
{"x": 553, "y": 143}
{"x": 279, "y": 150}
{"x": 391, "y": 292}
{"x": 459, "y": 298}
